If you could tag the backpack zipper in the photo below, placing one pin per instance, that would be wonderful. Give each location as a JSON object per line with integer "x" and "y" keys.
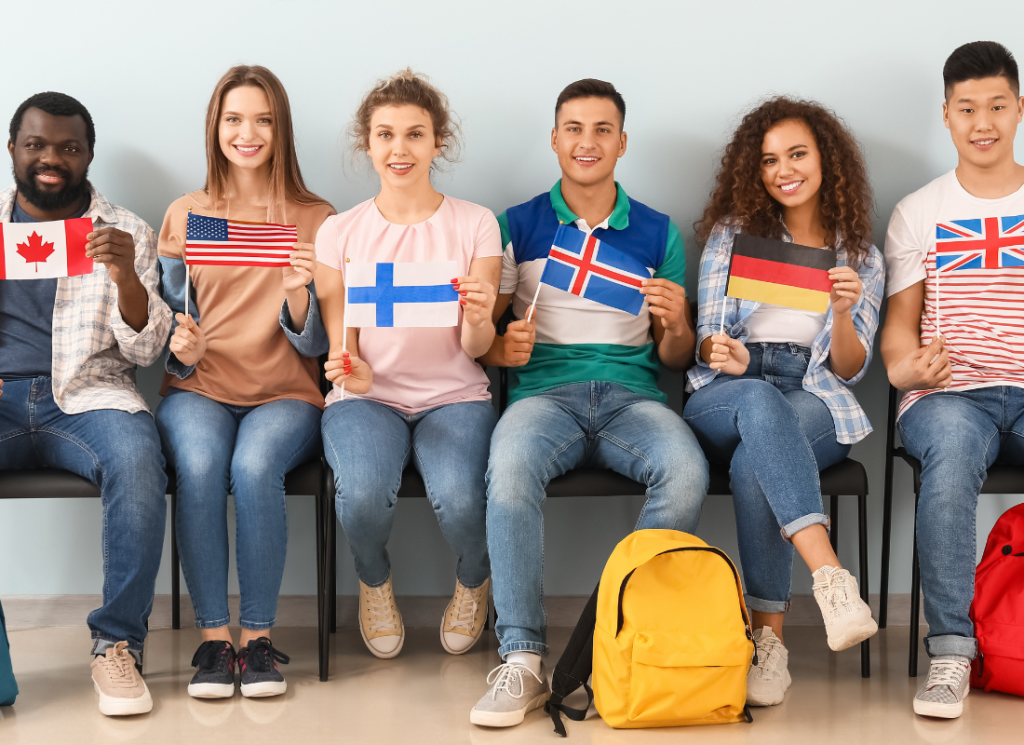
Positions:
{"x": 710, "y": 549}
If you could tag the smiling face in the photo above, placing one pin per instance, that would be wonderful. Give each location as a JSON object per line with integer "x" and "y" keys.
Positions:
{"x": 588, "y": 140}
{"x": 402, "y": 144}
{"x": 982, "y": 118}
{"x": 51, "y": 160}
{"x": 246, "y": 127}
{"x": 791, "y": 164}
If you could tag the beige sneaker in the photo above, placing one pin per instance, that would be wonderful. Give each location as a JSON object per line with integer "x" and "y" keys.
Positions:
{"x": 119, "y": 683}
{"x": 848, "y": 619}
{"x": 380, "y": 623}
{"x": 464, "y": 618}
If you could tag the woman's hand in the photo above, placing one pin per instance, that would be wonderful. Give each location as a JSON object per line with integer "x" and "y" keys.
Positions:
{"x": 303, "y": 265}
{"x": 476, "y": 298}
{"x": 342, "y": 368}
{"x": 728, "y": 355}
{"x": 846, "y": 289}
{"x": 188, "y": 343}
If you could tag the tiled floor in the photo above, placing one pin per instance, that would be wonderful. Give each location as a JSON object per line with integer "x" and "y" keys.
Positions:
{"x": 424, "y": 696}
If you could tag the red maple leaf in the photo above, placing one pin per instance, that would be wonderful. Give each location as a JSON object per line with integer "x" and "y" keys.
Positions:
{"x": 35, "y": 250}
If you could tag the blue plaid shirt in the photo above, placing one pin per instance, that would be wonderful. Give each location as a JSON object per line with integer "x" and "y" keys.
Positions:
{"x": 851, "y": 422}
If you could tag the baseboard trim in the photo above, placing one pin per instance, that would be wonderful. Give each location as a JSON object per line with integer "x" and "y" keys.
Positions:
{"x": 36, "y": 611}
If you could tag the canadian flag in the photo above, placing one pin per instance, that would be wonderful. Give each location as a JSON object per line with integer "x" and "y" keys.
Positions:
{"x": 45, "y": 250}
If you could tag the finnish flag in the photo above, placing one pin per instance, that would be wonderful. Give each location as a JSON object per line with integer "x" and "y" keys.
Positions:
{"x": 413, "y": 294}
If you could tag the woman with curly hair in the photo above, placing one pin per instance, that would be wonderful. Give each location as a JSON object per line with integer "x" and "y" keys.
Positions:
{"x": 771, "y": 384}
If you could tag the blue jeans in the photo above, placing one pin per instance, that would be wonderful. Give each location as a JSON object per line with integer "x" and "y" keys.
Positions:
{"x": 217, "y": 449}
{"x": 119, "y": 452}
{"x": 775, "y": 436}
{"x": 957, "y": 435}
{"x": 369, "y": 445}
{"x": 544, "y": 436}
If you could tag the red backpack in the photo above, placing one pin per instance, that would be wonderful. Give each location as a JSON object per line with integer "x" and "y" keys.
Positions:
{"x": 998, "y": 608}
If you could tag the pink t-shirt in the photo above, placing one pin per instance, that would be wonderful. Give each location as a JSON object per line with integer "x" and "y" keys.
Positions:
{"x": 414, "y": 369}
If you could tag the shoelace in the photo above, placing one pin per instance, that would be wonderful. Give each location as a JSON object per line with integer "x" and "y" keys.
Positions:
{"x": 382, "y": 614}
{"x": 119, "y": 666}
{"x": 504, "y": 676}
{"x": 946, "y": 673}
{"x": 768, "y": 656}
{"x": 260, "y": 655}
{"x": 464, "y": 610}
{"x": 835, "y": 590}
{"x": 212, "y": 655}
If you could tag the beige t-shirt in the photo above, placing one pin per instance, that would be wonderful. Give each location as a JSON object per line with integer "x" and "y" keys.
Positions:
{"x": 249, "y": 360}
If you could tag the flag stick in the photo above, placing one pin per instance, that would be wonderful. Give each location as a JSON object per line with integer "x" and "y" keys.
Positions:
{"x": 344, "y": 335}
{"x": 185, "y": 252}
{"x": 721, "y": 324}
{"x": 529, "y": 313}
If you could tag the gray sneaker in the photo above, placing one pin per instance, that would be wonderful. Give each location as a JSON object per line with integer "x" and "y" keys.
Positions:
{"x": 515, "y": 691}
{"x": 948, "y": 684}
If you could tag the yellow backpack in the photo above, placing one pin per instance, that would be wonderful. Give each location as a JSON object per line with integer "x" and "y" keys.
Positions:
{"x": 666, "y": 636}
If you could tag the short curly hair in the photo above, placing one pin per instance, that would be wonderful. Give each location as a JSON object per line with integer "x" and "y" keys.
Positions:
{"x": 412, "y": 88}
{"x": 54, "y": 104}
{"x": 739, "y": 194}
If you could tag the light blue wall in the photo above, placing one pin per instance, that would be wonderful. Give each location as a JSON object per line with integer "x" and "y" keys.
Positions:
{"x": 687, "y": 71}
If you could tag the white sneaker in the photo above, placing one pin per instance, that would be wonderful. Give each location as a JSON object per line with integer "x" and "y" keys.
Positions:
{"x": 848, "y": 619}
{"x": 515, "y": 691}
{"x": 948, "y": 684}
{"x": 768, "y": 680}
{"x": 464, "y": 618}
{"x": 380, "y": 623}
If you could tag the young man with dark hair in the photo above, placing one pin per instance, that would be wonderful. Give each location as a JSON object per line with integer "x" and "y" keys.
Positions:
{"x": 584, "y": 384}
{"x": 68, "y": 352}
{"x": 955, "y": 261}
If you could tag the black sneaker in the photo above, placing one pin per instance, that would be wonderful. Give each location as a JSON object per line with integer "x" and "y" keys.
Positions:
{"x": 258, "y": 664}
{"x": 215, "y": 671}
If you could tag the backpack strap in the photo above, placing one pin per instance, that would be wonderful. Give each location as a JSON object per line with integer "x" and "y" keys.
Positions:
{"x": 573, "y": 669}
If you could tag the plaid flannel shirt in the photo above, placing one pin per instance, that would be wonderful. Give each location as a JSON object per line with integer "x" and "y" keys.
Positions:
{"x": 851, "y": 422}
{"x": 94, "y": 351}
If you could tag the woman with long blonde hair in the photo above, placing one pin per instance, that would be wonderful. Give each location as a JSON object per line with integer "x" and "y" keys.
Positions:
{"x": 242, "y": 403}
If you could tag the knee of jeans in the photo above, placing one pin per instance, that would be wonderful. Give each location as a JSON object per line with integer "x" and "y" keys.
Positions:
{"x": 759, "y": 399}
{"x": 361, "y": 499}
{"x": 137, "y": 462}
{"x": 685, "y": 468}
{"x": 255, "y": 474}
{"x": 954, "y": 457}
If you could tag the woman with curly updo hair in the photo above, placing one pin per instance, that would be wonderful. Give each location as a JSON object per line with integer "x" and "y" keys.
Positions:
{"x": 772, "y": 384}
{"x": 408, "y": 390}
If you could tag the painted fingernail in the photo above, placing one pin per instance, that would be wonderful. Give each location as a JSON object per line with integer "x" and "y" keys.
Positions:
{"x": 463, "y": 293}
{"x": 454, "y": 280}
{"x": 463, "y": 302}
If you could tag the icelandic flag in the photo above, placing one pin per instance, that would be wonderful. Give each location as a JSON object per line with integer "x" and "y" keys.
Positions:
{"x": 583, "y": 265}
{"x": 45, "y": 250}
{"x": 413, "y": 294}
{"x": 984, "y": 243}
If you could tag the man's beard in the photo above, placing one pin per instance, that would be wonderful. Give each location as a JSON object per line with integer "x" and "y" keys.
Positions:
{"x": 47, "y": 201}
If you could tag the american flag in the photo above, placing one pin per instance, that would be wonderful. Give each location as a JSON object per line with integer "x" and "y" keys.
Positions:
{"x": 214, "y": 241}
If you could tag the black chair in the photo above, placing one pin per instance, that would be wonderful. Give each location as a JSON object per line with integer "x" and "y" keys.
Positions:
{"x": 1002, "y": 479}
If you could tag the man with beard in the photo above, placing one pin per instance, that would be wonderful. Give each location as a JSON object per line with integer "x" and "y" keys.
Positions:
{"x": 68, "y": 352}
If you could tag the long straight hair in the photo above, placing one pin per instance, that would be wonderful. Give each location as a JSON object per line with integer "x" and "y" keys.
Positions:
{"x": 286, "y": 184}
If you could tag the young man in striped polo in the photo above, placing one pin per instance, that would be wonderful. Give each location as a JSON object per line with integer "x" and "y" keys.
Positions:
{"x": 583, "y": 389}
{"x": 955, "y": 262}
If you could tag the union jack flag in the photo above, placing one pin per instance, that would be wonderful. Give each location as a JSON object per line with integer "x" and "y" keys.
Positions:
{"x": 983, "y": 243}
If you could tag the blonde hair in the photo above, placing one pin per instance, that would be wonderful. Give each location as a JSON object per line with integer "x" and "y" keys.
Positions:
{"x": 286, "y": 184}
{"x": 406, "y": 87}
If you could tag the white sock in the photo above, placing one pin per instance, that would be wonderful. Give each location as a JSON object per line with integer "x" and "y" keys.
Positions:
{"x": 530, "y": 660}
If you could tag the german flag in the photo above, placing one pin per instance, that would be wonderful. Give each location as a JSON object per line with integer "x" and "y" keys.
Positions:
{"x": 780, "y": 273}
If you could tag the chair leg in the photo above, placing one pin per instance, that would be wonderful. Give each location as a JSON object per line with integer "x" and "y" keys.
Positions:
{"x": 883, "y": 587}
{"x": 324, "y": 575}
{"x": 862, "y": 529}
{"x": 175, "y": 566}
{"x": 332, "y": 566}
{"x": 915, "y": 597}
{"x": 833, "y": 533}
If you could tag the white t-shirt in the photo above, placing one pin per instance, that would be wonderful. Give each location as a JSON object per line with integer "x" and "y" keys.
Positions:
{"x": 773, "y": 324}
{"x": 976, "y": 298}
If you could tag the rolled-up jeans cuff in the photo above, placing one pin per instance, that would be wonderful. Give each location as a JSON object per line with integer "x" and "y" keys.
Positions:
{"x": 535, "y": 647}
{"x": 788, "y": 531}
{"x": 766, "y": 606}
{"x": 100, "y": 645}
{"x": 965, "y": 646}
